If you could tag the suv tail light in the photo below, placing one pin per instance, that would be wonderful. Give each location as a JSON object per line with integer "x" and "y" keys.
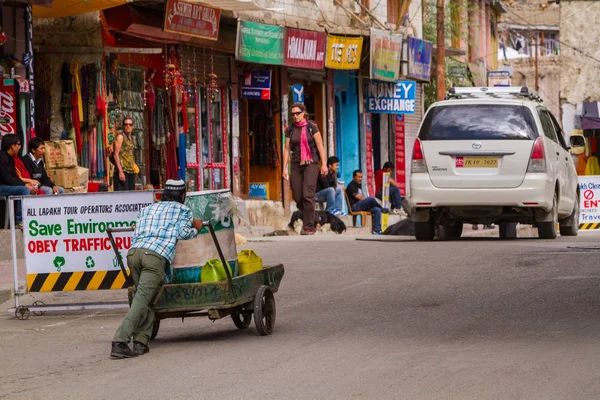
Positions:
{"x": 537, "y": 161}
{"x": 418, "y": 160}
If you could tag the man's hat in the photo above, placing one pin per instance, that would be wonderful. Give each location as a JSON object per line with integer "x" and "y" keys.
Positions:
{"x": 175, "y": 184}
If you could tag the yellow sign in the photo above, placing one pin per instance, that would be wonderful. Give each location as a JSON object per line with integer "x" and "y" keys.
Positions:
{"x": 343, "y": 52}
{"x": 385, "y": 199}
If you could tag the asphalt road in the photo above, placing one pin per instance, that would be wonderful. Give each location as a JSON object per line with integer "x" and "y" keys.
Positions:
{"x": 469, "y": 319}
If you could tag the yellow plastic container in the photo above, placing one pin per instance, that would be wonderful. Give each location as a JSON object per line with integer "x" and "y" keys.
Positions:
{"x": 213, "y": 271}
{"x": 249, "y": 262}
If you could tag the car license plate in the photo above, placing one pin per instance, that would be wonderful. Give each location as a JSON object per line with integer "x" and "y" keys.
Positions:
{"x": 477, "y": 162}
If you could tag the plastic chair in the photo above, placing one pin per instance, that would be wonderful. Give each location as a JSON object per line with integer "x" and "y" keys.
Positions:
{"x": 363, "y": 214}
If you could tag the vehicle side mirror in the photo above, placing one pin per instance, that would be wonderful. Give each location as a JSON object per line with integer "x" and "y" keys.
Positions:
{"x": 577, "y": 144}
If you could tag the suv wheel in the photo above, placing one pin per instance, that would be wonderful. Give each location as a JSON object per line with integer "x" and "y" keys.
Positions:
{"x": 453, "y": 231}
{"x": 547, "y": 230}
{"x": 424, "y": 231}
{"x": 571, "y": 222}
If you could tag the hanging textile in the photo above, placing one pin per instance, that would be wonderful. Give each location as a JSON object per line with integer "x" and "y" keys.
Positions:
{"x": 77, "y": 88}
{"x": 43, "y": 96}
{"x": 592, "y": 167}
{"x": 65, "y": 104}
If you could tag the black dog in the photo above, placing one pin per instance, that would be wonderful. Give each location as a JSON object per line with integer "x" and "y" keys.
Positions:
{"x": 321, "y": 218}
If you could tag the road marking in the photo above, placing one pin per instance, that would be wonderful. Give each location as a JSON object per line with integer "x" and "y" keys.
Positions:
{"x": 72, "y": 320}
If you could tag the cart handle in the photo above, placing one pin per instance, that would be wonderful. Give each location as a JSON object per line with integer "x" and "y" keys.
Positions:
{"x": 221, "y": 256}
{"x": 109, "y": 231}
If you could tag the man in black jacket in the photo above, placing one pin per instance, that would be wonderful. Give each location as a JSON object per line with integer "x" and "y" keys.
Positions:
{"x": 10, "y": 183}
{"x": 327, "y": 189}
{"x": 35, "y": 165}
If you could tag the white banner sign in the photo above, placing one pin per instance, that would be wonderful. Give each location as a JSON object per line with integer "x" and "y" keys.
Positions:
{"x": 589, "y": 189}
{"x": 68, "y": 233}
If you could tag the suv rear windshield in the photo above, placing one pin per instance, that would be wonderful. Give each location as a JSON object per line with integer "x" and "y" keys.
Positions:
{"x": 479, "y": 122}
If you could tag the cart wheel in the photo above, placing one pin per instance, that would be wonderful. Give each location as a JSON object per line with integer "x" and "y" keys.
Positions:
{"x": 264, "y": 311}
{"x": 155, "y": 327}
{"x": 22, "y": 313}
{"x": 39, "y": 303}
{"x": 240, "y": 319}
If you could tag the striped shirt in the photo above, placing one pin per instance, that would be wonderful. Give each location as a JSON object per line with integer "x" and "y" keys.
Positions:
{"x": 160, "y": 225}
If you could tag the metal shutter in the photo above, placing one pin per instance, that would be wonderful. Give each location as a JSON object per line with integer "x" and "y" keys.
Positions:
{"x": 412, "y": 124}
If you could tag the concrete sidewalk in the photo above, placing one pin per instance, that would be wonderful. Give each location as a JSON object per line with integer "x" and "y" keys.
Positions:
{"x": 6, "y": 278}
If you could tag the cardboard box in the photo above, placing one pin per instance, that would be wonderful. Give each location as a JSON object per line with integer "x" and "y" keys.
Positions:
{"x": 78, "y": 189}
{"x": 84, "y": 176}
{"x": 60, "y": 154}
{"x": 66, "y": 177}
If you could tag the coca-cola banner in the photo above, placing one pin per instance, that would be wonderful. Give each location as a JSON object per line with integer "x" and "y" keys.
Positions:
{"x": 305, "y": 49}
{"x": 192, "y": 19}
{"x": 8, "y": 107}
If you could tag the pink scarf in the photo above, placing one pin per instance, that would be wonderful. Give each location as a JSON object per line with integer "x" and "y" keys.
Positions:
{"x": 305, "y": 153}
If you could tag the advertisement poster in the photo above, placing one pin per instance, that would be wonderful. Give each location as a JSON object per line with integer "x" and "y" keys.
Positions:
{"x": 8, "y": 110}
{"x": 385, "y": 200}
{"x": 343, "y": 52}
{"x": 419, "y": 59}
{"x": 66, "y": 235}
{"x": 192, "y": 19}
{"x": 369, "y": 154}
{"x": 304, "y": 49}
{"x": 386, "y": 49}
{"x": 260, "y": 43}
{"x": 257, "y": 85}
{"x": 391, "y": 97}
{"x": 400, "y": 153}
{"x": 589, "y": 215}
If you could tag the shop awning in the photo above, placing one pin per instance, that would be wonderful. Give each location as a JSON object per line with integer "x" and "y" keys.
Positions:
{"x": 591, "y": 115}
{"x": 69, "y": 8}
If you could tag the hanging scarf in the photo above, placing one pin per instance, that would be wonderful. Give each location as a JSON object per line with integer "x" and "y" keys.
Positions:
{"x": 77, "y": 87}
{"x": 305, "y": 153}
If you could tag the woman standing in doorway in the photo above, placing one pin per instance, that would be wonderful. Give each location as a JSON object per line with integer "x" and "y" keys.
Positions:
{"x": 125, "y": 167}
{"x": 305, "y": 142}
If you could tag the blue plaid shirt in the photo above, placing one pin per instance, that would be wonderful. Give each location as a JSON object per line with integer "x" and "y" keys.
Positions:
{"x": 160, "y": 225}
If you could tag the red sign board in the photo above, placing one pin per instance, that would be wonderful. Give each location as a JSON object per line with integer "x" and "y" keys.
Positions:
{"x": 192, "y": 19}
{"x": 304, "y": 49}
{"x": 8, "y": 107}
{"x": 400, "y": 154}
{"x": 369, "y": 154}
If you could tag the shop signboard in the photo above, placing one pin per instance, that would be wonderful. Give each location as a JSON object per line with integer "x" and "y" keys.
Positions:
{"x": 8, "y": 107}
{"x": 386, "y": 49}
{"x": 589, "y": 202}
{"x": 343, "y": 52}
{"x": 304, "y": 49}
{"x": 400, "y": 133}
{"x": 259, "y": 190}
{"x": 192, "y": 19}
{"x": 419, "y": 59}
{"x": 499, "y": 78}
{"x": 298, "y": 93}
{"x": 391, "y": 97}
{"x": 66, "y": 244}
{"x": 259, "y": 43}
{"x": 257, "y": 85}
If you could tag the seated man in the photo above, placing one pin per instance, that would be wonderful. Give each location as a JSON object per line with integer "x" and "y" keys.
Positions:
{"x": 35, "y": 165}
{"x": 327, "y": 189}
{"x": 358, "y": 202}
{"x": 395, "y": 196}
{"x": 10, "y": 183}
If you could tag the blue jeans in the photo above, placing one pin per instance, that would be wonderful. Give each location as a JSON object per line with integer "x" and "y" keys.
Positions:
{"x": 48, "y": 190}
{"x": 395, "y": 197}
{"x": 371, "y": 205}
{"x": 333, "y": 197}
{"x": 15, "y": 191}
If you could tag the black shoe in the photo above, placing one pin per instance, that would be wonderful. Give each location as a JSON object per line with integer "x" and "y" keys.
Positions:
{"x": 122, "y": 350}
{"x": 140, "y": 348}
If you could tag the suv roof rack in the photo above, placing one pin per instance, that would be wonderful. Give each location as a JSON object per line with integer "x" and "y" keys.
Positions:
{"x": 496, "y": 92}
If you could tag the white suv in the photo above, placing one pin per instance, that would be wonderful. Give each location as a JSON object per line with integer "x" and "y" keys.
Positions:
{"x": 492, "y": 155}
